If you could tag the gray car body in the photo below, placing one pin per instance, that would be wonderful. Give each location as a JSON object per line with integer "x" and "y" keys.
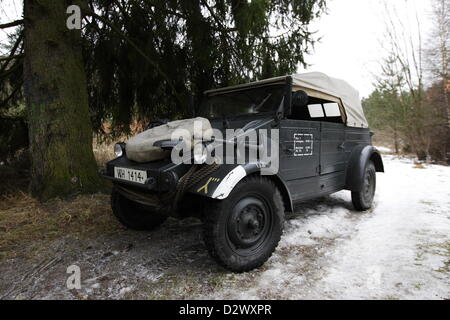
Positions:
{"x": 338, "y": 160}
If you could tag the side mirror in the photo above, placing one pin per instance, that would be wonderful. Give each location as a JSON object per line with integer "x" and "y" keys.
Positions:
{"x": 300, "y": 99}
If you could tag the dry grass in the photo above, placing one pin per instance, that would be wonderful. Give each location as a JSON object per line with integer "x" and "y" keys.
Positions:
{"x": 384, "y": 139}
{"x": 26, "y": 223}
{"x": 104, "y": 146}
{"x": 103, "y": 151}
{"x": 418, "y": 165}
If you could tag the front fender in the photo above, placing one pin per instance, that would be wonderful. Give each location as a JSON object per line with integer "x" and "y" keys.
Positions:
{"x": 221, "y": 182}
{"x": 356, "y": 167}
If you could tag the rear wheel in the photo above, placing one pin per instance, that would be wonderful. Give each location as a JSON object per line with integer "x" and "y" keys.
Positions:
{"x": 242, "y": 231}
{"x": 134, "y": 215}
{"x": 363, "y": 200}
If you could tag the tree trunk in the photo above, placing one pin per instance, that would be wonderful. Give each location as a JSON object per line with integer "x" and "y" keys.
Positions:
{"x": 397, "y": 151}
{"x": 57, "y": 103}
{"x": 447, "y": 117}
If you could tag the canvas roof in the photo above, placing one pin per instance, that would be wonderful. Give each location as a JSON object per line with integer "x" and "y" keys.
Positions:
{"x": 318, "y": 85}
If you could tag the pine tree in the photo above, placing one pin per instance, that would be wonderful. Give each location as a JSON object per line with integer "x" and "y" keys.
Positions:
{"x": 57, "y": 103}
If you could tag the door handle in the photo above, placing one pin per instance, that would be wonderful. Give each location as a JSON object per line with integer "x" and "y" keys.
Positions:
{"x": 342, "y": 146}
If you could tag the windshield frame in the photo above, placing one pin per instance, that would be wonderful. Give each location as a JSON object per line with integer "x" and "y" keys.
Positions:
{"x": 203, "y": 110}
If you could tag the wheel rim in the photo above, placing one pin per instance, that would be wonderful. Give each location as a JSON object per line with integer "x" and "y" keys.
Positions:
{"x": 369, "y": 186}
{"x": 249, "y": 225}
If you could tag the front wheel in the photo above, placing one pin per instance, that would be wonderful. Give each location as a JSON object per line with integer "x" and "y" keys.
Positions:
{"x": 242, "y": 231}
{"x": 363, "y": 199}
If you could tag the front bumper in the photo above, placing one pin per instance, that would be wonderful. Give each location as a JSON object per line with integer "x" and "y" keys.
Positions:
{"x": 162, "y": 176}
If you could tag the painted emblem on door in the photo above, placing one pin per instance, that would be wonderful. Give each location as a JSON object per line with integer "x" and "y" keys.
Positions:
{"x": 303, "y": 144}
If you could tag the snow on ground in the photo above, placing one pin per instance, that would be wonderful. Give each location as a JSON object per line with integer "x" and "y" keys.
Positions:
{"x": 399, "y": 250}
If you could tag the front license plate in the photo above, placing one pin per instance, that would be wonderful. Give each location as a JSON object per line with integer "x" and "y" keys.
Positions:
{"x": 137, "y": 176}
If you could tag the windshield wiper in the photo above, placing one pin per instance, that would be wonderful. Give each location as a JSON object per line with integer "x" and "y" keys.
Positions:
{"x": 263, "y": 102}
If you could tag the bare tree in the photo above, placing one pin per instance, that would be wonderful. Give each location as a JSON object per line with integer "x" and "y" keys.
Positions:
{"x": 438, "y": 52}
{"x": 405, "y": 75}
{"x": 438, "y": 62}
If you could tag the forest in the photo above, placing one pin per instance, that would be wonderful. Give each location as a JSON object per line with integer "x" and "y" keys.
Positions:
{"x": 131, "y": 62}
{"x": 411, "y": 97}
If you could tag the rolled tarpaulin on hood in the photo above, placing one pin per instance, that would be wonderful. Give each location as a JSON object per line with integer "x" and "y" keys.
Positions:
{"x": 140, "y": 148}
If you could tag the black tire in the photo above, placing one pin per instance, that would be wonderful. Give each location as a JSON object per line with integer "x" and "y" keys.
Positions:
{"x": 363, "y": 200}
{"x": 134, "y": 215}
{"x": 242, "y": 231}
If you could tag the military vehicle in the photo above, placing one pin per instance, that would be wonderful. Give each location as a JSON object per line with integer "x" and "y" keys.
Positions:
{"x": 322, "y": 146}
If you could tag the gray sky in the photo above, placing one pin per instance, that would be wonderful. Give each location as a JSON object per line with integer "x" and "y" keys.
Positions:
{"x": 10, "y": 10}
{"x": 351, "y": 33}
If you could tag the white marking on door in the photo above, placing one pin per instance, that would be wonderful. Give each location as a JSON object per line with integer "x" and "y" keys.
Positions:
{"x": 303, "y": 144}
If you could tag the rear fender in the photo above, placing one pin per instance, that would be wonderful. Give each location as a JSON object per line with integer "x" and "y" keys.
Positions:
{"x": 356, "y": 167}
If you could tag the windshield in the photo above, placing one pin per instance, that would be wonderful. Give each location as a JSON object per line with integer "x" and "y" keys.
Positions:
{"x": 249, "y": 101}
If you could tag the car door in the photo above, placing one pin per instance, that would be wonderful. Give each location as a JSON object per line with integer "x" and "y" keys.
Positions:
{"x": 332, "y": 151}
{"x": 299, "y": 156}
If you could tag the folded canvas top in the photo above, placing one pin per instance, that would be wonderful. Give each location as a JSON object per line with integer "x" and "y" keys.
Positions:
{"x": 140, "y": 148}
{"x": 318, "y": 85}
{"x": 337, "y": 88}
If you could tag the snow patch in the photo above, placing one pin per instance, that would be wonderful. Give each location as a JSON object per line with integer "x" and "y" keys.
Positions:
{"x": 398, "y": 250}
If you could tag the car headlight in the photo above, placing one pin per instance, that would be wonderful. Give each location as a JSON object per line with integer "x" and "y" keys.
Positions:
{"x": 200, "y": 155}
{"x": 119, "y": 149}
{"x": 200, "y": 158}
